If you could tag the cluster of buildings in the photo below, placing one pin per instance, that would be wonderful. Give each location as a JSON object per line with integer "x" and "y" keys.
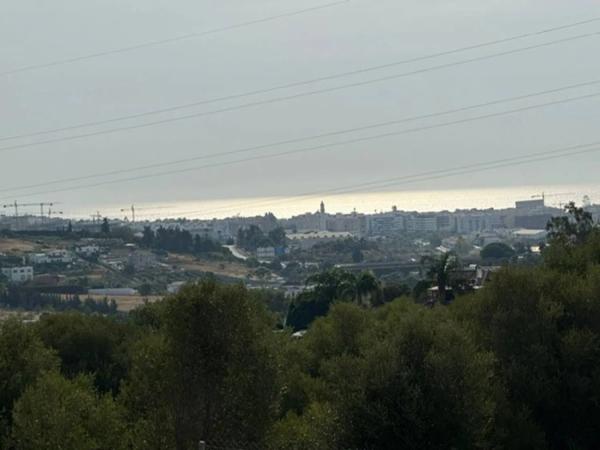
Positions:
{"x": 533, "y": 214}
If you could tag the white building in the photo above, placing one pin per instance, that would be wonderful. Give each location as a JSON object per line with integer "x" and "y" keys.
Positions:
{"x": 265, "y": 253}
{"x": 309, "y": 239}
{"x": 87, "y": 251}
{"x": 532, "y": 236}
{"x": 18, "y": 274}
{"x": 422, "y": 223}
{"x": 51, "y": 257}
{"x": 385, "y": 224}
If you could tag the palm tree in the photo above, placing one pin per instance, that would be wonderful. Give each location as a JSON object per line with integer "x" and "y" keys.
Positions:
{"x": 439, "y": 270}
{"x": 366, "y": 286}
{"x": 338, "y": 284}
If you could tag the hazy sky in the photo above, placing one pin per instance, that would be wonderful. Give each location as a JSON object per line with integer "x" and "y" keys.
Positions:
{"x": 347, "y": 37}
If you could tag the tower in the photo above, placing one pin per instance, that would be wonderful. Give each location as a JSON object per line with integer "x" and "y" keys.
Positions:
{"x": 322, "y": 218}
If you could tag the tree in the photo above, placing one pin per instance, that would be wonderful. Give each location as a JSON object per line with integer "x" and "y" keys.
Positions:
{"x": 398, "y": 377}
{"x": 544, "y": 331}
{"x": 105, "y": 227}
{"x": 145, "y": 289}
{"x": 277, "y": 237}
{"x": 55, "y": 413}
{"x": 326, "y": 288}
{"x": 69, "y": 227}
{"x": 23, "y": 358}
{"x": 497, "y": 250}
{"x": 573, "y": 228}
{"x": 251, "y": 238}
{"x": 148, "y": 237}
{"x": 393, "y": 291}
{"x": 367, "y": 286}
{"x": 206, "y": 370}
{"x": 88, "y": 345}
{"x": 439, "y": 270}
{"x": 357, "y": 255}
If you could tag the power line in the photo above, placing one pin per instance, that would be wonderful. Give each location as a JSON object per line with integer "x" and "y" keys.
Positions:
{"x": 305, "y": 138}
{"x": 420, "y": 177}
{"x": 319, "y": 147}
{"x": 169, "y": 40}
{"x": 260, "y": 102}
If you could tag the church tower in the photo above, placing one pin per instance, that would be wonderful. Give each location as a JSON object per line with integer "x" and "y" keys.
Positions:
{"x": 322, "y": 218}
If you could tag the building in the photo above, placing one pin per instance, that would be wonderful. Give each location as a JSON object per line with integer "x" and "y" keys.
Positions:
{"x": 530, "y": 236}
{"x": 421, "y": 223}
{"x": 51, "y": 257}
{"x": 263, "y": 253}
{"x": 87, "y": 251}
{"x": 385, "y": 224}
{"x": 530, "y": 205}
{"x": 309, "y": 239}
{"x": 18, "y": 274}
{"x": 141, "y": 260}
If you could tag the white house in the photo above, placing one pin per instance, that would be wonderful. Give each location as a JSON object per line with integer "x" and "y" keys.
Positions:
{"x": 265, "y": 253}
{"x": 18, "y": 274}
{"x": 51, "y": 257}
{"x": 87, "y": 251}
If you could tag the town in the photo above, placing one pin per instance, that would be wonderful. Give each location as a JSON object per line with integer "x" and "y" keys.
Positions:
{"x": 128, "y": 263}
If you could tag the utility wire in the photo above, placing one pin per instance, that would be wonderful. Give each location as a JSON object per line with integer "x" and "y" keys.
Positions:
{"x": 154, "y": 43}
{"x": 304, "y": 138}
{"x": 319, "y": 147}
{"x": 260, "y": 102}
{"x": 419, "y": 177}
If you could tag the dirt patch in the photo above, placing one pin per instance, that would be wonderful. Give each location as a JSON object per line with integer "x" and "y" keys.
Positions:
{"x": 9, "y": 245}
{"x": 126, "y": 303}
{"x": 225, "y": 268}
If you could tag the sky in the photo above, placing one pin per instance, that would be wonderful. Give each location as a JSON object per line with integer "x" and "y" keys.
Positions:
{"x": 347, "y": 37}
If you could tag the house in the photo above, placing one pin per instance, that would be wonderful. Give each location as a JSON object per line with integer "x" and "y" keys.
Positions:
{"x": 265, "y": 253}
{"x": 141, "y": 260}
{"x": 51, "y": 257}
{"x": 87, "y": 251}
{"x": 18, "y": 274}
{"x": 268, "y": 253}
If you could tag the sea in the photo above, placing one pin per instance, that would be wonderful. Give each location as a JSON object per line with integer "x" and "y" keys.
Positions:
{"x": 360, "y": 202}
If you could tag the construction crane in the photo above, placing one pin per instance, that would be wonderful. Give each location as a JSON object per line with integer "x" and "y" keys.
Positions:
{"x": 543, "y": 195}
{"x": 133, "y": 209}
{"x": 16, "y": 205}
{"x": 96, "y": 217}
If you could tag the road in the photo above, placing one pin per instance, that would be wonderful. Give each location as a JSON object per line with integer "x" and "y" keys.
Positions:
{"x": 236, "y": 252}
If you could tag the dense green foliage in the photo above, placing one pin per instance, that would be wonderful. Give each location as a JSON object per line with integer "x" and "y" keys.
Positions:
{"x": 328, "y": 287}
{"x": 178, "y": 240}
{"x": 252, "y": 237}
{"x": 497, "y": 250}
{"x": 19, "y": 297}
{"x": 55, "y": 413}
{"x": 515, "y": 365}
